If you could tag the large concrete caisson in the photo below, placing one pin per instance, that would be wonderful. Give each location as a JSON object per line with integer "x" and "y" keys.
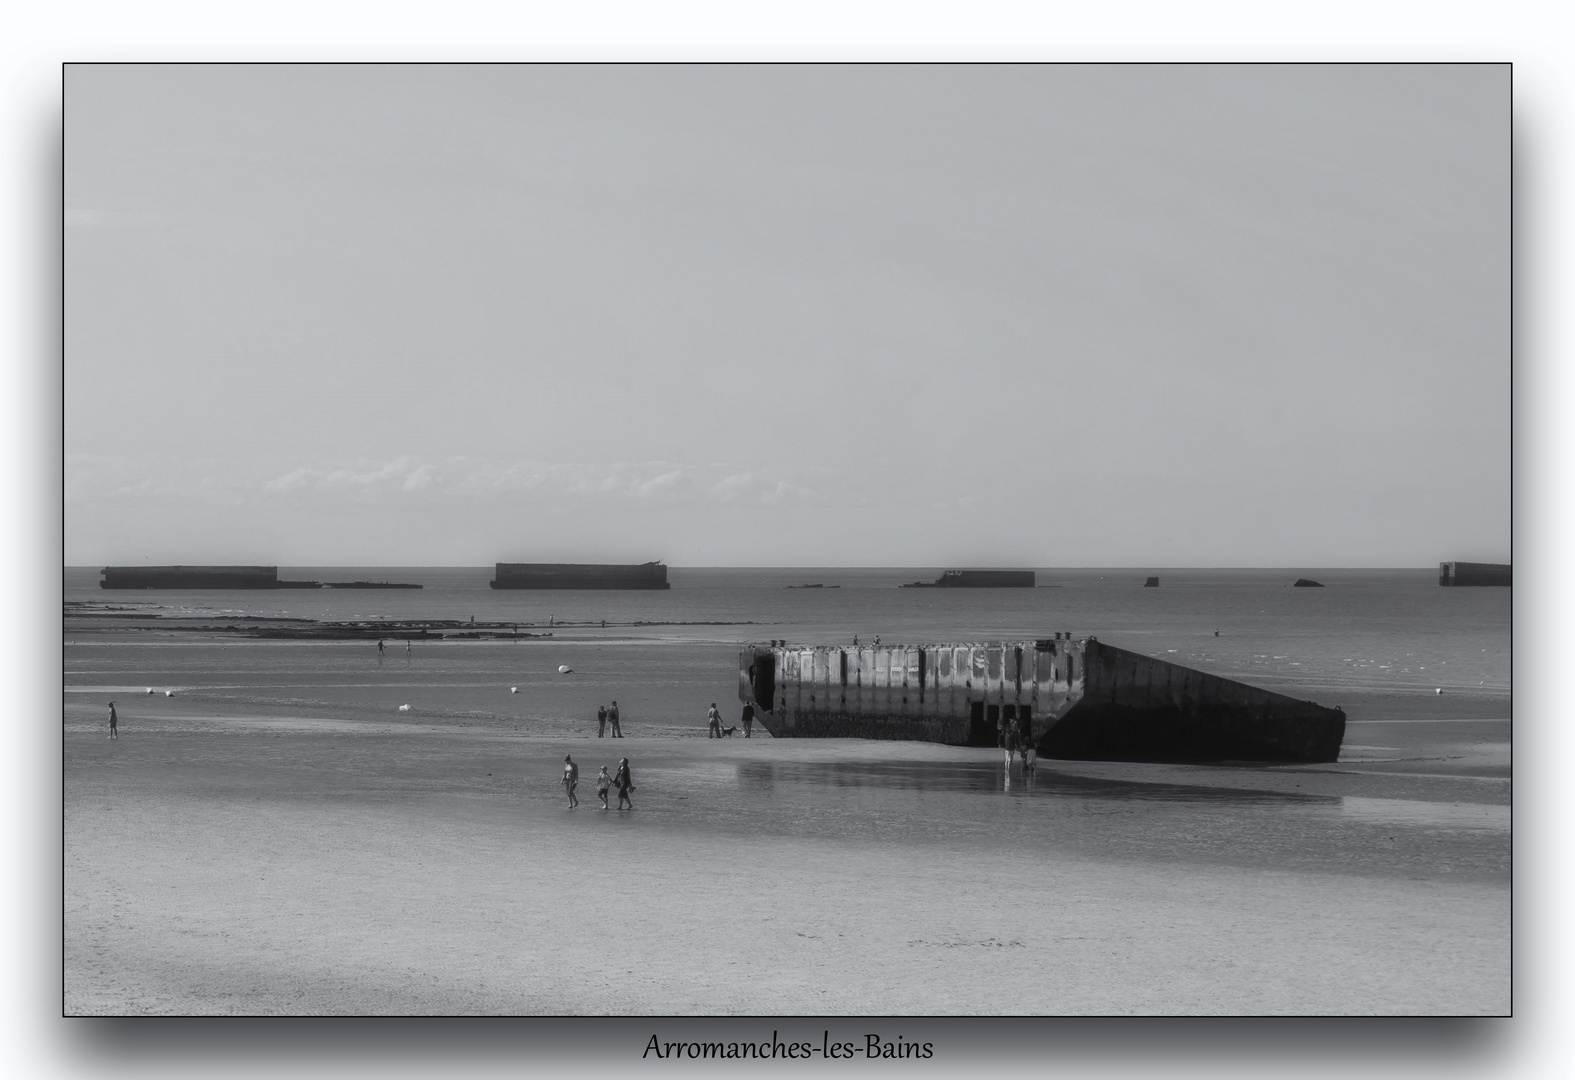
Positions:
{"x": 1078, "y": 698}
{"x": 197, "y": 577}
{"x": 651, "y": 575}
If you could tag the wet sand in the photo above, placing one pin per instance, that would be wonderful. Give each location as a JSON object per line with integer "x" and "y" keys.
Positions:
{"x": 266, "y": 864}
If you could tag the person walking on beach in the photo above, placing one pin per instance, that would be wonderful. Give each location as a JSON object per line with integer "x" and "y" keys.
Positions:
{"x": 623, "y": 783}
{"x": 603, "y": 782}
{"x": 407, "y": 648}
{"x": 612, "y": 718}
{"x": 571, "y": 776}
{"x": 748, "y": 719}
{"x": 715, "y": 718}
{"x": 601, "y": 722}
{"x": 114, "y": 722}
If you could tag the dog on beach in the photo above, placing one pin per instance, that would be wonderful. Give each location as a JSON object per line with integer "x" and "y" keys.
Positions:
{"x": 727, "y": 732}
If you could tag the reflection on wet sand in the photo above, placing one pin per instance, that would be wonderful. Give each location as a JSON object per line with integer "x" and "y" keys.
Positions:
{"x": 759, "y": 776}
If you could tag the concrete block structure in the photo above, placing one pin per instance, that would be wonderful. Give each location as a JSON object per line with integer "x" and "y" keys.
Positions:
{"x": 1076, "y": 698}
{"x": 190, "y": 577}
{"x": 651, "y": 575}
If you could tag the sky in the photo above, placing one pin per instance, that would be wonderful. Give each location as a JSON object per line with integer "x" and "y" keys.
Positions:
{"x": 787, "y": 315}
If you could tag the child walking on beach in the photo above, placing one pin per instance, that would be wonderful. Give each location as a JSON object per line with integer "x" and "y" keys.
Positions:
{"x": 571, "y": 777}
{"x": 603, "y": 782}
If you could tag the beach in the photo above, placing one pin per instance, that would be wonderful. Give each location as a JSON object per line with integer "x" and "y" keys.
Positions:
{"x": 281, "y": 866}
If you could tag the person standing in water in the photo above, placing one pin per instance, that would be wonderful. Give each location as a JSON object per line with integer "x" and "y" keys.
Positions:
{"x": 114, "y": 722}
{"x": 407, "y": 648}
{"x": 715, "y": 719}
{"x": 623, "y": 783}
{"x": 571, "y": 776}
{"x": 612, "y": 718}
{"x": 601, "y": 722}
{"x": 603, "y": 782}
{"x": 748, "y": 719}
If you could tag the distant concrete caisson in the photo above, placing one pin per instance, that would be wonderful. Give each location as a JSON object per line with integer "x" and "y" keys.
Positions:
{"x": 1473, "y": 573}
{"x": 977, "y": 579}
{"x": 1076, "y": 699}
{"x": 221, "y": 577}
{"x": 651, "y": 575}
{"x": 197, "y": 577}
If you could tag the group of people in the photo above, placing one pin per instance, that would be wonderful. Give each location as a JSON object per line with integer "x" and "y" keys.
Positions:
{"x": 1014, "y": 740}
{"x": 619, "y": 779}
{"x": 605, "y": 716}
{"x": 715, "y": 730}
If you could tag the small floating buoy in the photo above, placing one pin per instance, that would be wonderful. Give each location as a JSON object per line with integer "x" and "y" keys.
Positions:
{"x": 1438, "y": 690}
{"x": 514, "y": 689}
{"x": 565, "y": 669}
{"x": 404, "y": 708}
{"x": 150, "y": 689}
{"x": 169, "y": 693}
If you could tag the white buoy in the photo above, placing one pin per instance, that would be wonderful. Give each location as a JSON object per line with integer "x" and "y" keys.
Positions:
{"x": 169, "y": 693}
{"x": 1438, "y": 690}
{"x": 404, "y": 708}
{"x": 565, "y": 669}
{"x": 150, "y": 689}
{"x": 514, "y": 689}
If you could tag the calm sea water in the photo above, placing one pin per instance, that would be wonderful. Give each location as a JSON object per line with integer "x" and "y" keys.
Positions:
{"x": 1368, "y": 635}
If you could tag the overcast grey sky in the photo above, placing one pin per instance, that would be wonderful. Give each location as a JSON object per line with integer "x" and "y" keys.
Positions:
{"x": 797, "y": 315}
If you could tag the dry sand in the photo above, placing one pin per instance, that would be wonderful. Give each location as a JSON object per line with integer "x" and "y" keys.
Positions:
{"x": 286, "y": 868}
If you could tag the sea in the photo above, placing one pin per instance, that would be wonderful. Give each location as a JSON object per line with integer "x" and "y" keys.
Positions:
{"x": 1377, "y": 642}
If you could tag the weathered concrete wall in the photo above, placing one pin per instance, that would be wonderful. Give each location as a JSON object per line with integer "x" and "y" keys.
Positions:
{"x": 1137, "y": 708}
{"x": 873, "y": 692}
{"x": 1079, "y": 699}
